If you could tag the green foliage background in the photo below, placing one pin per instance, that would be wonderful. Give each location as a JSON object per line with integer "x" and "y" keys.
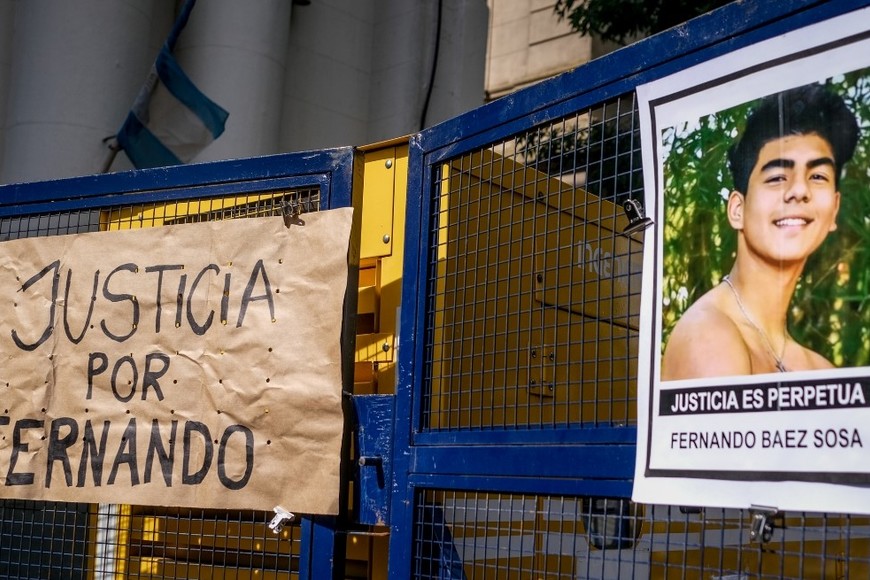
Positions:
{"x": 624, "y": 20}
{"x": 830, "y": 311}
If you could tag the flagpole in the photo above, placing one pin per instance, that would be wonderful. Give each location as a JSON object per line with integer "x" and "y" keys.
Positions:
{"x": 179, "y": 24}
{"x": 113, "y": 147}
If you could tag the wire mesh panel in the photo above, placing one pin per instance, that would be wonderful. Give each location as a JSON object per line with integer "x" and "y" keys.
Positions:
{"x": 522, "y": 404}
{"x": 183, "y": 543}
{"x": 49, "y": 224}
{"x": 473, "y": 535}
{"x": 532, "y": 315}
{"x": 43, "y": 539}
{"x": 534, "y": 285}
{"x": 67, "y": 540}
{"x": 201, "y": 210}
{"x": 71, "y": 540}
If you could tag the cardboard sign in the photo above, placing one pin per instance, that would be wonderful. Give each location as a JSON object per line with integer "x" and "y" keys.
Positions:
{"x": 193, "y": 365}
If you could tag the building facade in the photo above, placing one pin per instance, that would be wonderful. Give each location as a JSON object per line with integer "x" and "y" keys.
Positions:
{"x": 294, "y": 76}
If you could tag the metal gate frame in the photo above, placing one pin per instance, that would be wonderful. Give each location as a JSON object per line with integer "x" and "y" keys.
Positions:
{"x": 596, "y": 461}
{"x": 333, "y": 173}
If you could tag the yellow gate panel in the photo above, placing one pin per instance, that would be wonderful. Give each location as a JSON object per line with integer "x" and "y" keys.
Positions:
{"x": 527, "y": 330}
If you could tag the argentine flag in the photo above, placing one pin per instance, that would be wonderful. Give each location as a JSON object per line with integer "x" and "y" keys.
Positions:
{"x": 171, "y": 120}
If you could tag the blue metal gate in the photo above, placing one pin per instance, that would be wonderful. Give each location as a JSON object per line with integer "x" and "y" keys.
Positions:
{"x": 58, "y": 540}
{"x": 514, "y": 420}
{"x": 515, "y": 413}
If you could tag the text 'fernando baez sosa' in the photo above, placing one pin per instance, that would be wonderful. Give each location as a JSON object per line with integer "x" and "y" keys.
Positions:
{"x": 781, "y": 397}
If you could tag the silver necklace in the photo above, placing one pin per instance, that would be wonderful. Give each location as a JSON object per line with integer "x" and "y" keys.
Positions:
{"x": 777, "y": 359}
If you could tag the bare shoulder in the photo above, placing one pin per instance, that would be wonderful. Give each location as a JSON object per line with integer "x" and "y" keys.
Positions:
{"x": 705, "y": 342}
{"x": 812, "y": 360}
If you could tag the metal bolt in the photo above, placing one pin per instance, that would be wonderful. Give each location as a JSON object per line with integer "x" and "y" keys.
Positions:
{"x": 385, "y": 347}
{"x": 370, "y": 460}
{"x": 388, "y": 163}
{"x": 386, "y": 238}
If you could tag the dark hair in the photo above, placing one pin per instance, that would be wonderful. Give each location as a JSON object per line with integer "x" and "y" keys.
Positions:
{"x": 801, "y": 111}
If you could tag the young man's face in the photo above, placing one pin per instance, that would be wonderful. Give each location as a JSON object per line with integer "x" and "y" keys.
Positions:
{"x": 791, "y": 201}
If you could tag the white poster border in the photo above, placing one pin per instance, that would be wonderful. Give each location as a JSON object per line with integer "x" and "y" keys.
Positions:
{"x": 803, "y": 56}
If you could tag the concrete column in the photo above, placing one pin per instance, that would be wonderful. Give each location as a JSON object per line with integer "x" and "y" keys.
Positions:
{"x": 404, "y": 54}
{"x": 6, "y": 19}
{"x": 459, "y": 78}
{"x": 235, "y": 52}
{"x": 326, "y": 93}
{"x": 74, "y": 71}
{"x": 404, "y": 43}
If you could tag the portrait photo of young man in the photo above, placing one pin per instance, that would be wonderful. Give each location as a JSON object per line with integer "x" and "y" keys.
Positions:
{"x": 786, "y": 167}
{"x": 766, "y": 235}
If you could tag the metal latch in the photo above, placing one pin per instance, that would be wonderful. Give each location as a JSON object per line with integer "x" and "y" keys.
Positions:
{"x": 761, "y": 529}
{"x": 282, "y": 517}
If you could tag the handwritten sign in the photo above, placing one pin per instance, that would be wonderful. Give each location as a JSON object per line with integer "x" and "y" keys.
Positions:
{"x": 193, "y": 365}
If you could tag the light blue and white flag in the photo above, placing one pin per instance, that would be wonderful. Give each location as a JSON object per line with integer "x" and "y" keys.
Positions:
{"x": 171, "y": 120}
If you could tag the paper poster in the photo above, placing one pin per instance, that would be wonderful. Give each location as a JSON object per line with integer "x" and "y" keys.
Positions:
{"x": 754, "y": 376}
{"x": 187, "y": 365}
